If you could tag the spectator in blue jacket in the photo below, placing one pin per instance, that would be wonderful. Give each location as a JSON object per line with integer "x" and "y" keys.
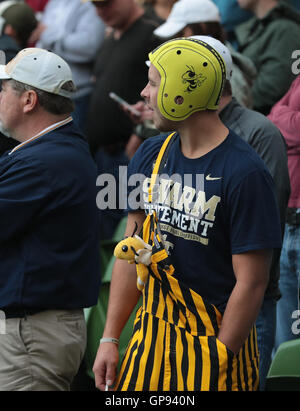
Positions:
{"x": 48, "y": 230}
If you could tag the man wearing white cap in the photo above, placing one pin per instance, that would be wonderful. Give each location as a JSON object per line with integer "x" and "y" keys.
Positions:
{"x": 202, "y": 17}
{"x": 49, "y": 232}
{"x": 186, "y": 12}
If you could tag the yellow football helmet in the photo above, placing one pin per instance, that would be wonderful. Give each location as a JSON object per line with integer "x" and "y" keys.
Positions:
{"x": 192, "y": 77}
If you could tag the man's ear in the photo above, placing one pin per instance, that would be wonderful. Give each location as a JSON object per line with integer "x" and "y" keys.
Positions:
{"x": 10, "y": 31}
{"x": 29, "y": 100}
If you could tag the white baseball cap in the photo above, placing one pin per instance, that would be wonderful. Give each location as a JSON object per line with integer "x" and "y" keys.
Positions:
{"x": 39, "y": 68}
{"x": 186, "y": 12}
{"x": 221, "y": 49}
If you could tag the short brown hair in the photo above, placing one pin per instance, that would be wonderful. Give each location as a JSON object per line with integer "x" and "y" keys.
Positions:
{"x": 208, "y": 28}
{"x": 227, "y": 90}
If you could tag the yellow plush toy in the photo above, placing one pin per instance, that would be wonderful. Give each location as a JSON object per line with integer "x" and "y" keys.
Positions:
{"x": 135, "y": 251}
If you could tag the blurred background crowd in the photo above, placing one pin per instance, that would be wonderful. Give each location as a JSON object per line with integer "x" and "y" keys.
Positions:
{"x": 106, "y": 44}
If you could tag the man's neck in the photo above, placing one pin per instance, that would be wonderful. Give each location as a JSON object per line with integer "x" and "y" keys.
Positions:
{"x": 224, "y": 101}
{"x": 35, "y": 126}
{"x": 201, "y": 133}
{"x": 137, "y": 12}
{"x": 262, "y": 8}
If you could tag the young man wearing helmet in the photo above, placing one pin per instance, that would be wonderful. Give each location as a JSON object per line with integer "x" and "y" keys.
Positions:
{"x": 212, "y": 221}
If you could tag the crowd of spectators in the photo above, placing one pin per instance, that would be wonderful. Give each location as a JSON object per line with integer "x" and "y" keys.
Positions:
{"x": 106, "y": 44}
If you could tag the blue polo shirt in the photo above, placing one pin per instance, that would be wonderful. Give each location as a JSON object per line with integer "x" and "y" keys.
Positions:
{"x": 49, "y": 245}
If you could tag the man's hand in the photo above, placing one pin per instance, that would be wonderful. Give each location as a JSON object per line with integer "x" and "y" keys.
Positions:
{"x": 37, "y": 32}
{"x": 252, "y": 274}
{"x": 123, "y": 297}
{"x": 145, "y": 112}
{"x": 105, "y": 365}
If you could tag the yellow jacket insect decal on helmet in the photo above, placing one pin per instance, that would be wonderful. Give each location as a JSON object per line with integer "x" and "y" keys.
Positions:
{"x": 192, "y": 77}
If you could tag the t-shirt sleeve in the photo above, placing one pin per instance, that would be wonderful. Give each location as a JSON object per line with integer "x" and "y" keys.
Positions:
{"x": 254, "y": 214}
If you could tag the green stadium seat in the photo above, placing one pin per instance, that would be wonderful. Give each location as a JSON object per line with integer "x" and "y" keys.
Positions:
{"x": 284, "y": 372}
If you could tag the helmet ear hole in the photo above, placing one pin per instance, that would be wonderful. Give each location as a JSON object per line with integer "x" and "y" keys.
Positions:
{"x": 179, "y": 100}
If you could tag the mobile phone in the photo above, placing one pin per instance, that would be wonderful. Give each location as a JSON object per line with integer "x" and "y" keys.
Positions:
{"x": 124, "y": 103}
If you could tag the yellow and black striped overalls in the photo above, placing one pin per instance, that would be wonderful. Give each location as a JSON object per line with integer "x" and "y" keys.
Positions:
{"x": 174, "y": 345}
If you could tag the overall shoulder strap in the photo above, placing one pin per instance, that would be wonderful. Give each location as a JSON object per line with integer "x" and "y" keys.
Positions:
{"x": 160, "y": 162}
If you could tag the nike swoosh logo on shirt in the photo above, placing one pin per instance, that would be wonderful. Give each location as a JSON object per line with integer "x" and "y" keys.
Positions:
{"x": 209, "y": 178}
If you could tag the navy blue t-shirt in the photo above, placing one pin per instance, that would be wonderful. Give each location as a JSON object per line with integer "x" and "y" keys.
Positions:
{"x": 209, "y": 208}
{"x": 49, "y": 231}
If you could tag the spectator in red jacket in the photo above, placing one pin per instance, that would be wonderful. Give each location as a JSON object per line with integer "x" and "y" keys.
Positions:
{"x": 286, "y": 116}
{"x": 37, "y": 5}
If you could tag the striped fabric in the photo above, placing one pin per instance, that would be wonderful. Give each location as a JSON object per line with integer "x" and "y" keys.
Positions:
{"x": 174, "y": 345}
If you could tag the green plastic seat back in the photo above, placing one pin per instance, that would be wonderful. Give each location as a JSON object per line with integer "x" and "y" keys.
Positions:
{"x": 284, "y": 372}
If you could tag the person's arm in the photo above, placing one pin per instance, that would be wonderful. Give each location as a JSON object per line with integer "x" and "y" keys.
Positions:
{"x": 252, "y": 273}
{"x": 82, "y": 44}
{"x": 289, "y": 125}
{"x": 268, "y": 87}
{"x": 123, "y": 298}
{"x": 286, "y": 115}
{"x": 79, "y": 45}
{"x": 36, "y": 33}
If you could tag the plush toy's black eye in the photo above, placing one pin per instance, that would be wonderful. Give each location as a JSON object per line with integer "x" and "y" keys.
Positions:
{"x": 125, "y": 248}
